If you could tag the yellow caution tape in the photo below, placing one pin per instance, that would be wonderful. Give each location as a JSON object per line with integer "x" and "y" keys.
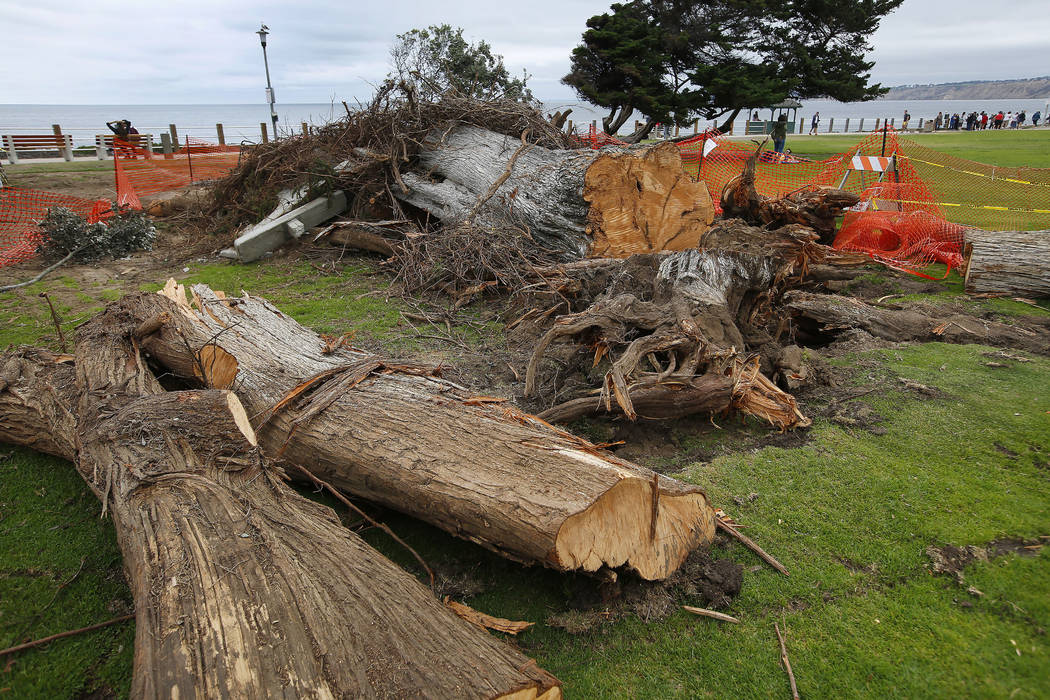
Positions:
{"x": 970, "y": 172}
{"x": 968, "y": 206}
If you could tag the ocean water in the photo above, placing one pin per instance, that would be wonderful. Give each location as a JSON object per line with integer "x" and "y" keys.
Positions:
{"x": 241, "y": 121}
{"x": 584, "y": 113}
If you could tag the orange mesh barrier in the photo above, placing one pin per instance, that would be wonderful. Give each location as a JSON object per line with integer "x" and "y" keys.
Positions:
{"x": 596, "y": 139}
{"x": 140, "y": 172}
{"x": 21, "y": 210}
{"x": 909, "y": 217}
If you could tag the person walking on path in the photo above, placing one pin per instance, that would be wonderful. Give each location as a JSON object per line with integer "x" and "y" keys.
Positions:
{"x": 814, "y": 124}
{"x": 779, "y": 133}
{"x": 1035, "y": 118}
{"x": 904, "y": 122}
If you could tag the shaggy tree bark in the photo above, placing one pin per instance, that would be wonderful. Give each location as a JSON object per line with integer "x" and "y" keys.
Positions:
{"x": 473, "y": 466}
{"x": 242, "y": 587}
{"x": 613, "y": 203}
{"x": 1008, "y": 262}
{"x": 655, "y": 400}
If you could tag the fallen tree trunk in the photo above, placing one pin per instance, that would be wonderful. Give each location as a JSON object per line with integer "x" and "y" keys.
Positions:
{"x": 612, "y": 203}
{"x": 820, "y": 317}
{"x": 242, "y": 587}
{"x": 473, "y": 466}
{"x": 1008, "y": 262}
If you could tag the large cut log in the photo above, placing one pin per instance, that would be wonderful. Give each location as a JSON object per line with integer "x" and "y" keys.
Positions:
{"x": 613, "y": 202}
{"x": 821, "y": 317}
{"x": 242, "y": 588}
{"x": 1008, "y": 262}
{"x": 473, "y": 466}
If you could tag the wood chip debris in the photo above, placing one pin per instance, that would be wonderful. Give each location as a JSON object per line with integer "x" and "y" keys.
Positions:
{"x": 486, "y": 621}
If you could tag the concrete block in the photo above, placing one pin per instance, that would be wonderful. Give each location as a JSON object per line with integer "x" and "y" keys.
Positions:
{"x": 274, "y": 231}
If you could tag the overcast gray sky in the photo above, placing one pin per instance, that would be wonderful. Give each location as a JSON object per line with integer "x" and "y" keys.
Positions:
{"x": 206, "y": 51}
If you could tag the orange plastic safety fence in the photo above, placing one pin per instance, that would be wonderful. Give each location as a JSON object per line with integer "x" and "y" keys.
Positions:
{"x": 21, "y": 211}
{"x": 914, "y": 210}
{"x": 596, "y": 139}
{"x": 140, "y": 172}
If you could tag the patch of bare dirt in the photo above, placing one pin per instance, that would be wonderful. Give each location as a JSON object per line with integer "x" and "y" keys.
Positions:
{"x": 702, "y": 581}
{"x": 951, "y": 560}
{"x": 91, "y": 184}
{"x": 884, "y": 284}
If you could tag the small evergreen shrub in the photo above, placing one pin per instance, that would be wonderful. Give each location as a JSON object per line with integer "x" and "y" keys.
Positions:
{"x": 66, "y": 232}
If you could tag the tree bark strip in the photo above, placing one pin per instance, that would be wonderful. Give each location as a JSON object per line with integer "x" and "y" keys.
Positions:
{"x": 478, "y": 469}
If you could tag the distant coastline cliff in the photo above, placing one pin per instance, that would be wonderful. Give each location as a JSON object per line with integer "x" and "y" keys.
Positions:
{"x": 1024, "y": 89}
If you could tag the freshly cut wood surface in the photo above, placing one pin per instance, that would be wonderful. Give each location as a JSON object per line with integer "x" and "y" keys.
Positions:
{"x": 644, "y": 202}
{"x": 1008, "y": 262}
{"x": 391, "y": 433}
{"x": 242, "y": 587}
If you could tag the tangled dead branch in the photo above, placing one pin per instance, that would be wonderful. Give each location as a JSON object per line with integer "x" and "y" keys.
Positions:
{"x": 465, "y": 258}
{"x": 816, "y": 208}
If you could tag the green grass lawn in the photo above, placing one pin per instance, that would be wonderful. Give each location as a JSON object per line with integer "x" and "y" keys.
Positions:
{"x": 850, "y": 511}
{"x": 1022, "y": 148}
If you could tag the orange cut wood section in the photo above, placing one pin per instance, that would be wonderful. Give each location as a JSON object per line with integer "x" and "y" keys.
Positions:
{"x": 644, "y": 204}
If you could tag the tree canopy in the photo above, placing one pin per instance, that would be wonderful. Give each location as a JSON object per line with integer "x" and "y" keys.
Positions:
{"x": 438, "y": 58}
{"x": 675, "y": 60}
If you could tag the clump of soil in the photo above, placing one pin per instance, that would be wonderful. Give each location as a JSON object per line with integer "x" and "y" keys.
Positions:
{"x": 702, "y": 581}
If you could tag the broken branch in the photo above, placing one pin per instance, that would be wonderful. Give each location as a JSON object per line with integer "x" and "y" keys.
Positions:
{"x": 60, "y": 635}
{"x": 710, "y": 613}
{"x": 751, "y": 545}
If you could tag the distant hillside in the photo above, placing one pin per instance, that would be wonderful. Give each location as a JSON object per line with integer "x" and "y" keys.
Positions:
{"x": 1024, "y": 89}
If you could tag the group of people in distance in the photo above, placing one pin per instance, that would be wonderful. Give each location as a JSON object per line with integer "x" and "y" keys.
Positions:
{"x": 976, "y": 122}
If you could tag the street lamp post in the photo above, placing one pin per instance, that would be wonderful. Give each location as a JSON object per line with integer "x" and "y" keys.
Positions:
{"x": 263, "y": 31}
